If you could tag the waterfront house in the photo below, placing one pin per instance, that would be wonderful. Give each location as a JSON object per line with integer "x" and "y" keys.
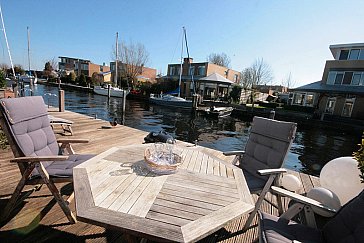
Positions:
{"x": 144, "y": 74}
{"x": 201, "y": 70}
{"x": 79, "y": 66}
{"x": 340, "y": 93}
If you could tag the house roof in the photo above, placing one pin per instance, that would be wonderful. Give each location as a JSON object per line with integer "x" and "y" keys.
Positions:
{"x": 319, "y": 87}
{"x": 215, "y": 77}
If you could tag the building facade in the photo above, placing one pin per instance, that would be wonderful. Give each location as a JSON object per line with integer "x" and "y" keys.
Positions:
{"x": 145, "y": 74}
{"x": 197, "y": 71}
{"x": 77, "y": 65}
{"x": 341, "y": 90}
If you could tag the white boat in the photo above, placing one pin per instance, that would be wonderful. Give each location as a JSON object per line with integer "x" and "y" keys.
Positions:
{"x": 168, "y": 99}
{"x": 218, "y": 111}
{"x": 28, "y": 79}
{"x": 114, "y": 92}
{"x": 171, "y": 101}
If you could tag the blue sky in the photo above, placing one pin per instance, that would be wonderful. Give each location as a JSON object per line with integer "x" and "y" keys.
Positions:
{"x": 291, "y": 36}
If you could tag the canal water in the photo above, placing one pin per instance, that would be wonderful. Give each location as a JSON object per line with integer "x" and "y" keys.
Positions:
{"x": 312, "y": 148}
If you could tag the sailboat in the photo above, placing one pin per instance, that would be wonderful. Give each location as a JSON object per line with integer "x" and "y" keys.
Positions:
{"x": 28, "y": 77}
{"x": 114, "y": 91}
{"x": 169, "y": 99}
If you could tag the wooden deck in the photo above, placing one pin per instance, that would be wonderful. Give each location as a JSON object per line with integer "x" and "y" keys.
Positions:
{"x": 40, "y": 219}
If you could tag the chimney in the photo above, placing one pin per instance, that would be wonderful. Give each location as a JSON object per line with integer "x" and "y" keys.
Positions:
{"x": 187, "y": 60}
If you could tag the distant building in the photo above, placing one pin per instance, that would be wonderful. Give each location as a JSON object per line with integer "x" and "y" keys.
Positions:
{"x": 79, "y": 66}
{"x": 201, "y": 70}
{"x": 145, "y": 74}
{"x": 340, "y": 93}
{"x": 271, "y": 89}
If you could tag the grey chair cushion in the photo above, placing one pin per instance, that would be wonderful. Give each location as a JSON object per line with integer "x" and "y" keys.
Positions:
{"x": 29, "y": 123}
{"x": 348, "y": 223}
{"x": 254, "y": 183}
{"x": 64, "y": 168}
{"x": 275, "y": 230}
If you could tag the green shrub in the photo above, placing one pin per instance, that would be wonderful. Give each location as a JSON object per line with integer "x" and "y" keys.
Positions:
{"x": 359, "y": 156}
{"x": 2, "y": 80}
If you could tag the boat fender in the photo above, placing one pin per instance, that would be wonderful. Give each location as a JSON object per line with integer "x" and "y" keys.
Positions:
{"x": 161, "y": 136}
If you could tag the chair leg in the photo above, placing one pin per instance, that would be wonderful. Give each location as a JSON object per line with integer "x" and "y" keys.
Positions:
{"x": 57, "y": 195}
{"x": 259, "y": 201}
{"x": 13, "y": 199}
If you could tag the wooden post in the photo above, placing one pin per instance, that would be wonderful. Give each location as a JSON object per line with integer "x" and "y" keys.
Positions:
{"x": 108, "y": 91}
{"x": 272, "y": 114}
{"x": 123, "y": 111}
{"x": 195, "y": 101}
{"x": 61, "y": 100}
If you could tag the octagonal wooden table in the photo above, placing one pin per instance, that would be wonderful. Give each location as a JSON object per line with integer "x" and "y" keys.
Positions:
{"x": 116, "y": 190}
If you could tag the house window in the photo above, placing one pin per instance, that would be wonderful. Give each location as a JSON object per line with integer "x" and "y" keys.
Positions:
{"x": 347, "y": 78}
{"x": 298, "y": 99}
{"x": 354, "y": 54}
{"x": 178, "y": 70}
{"x": 348, "y": 107}
{"x": 339, "y": 78}
{"x": 171, "y": 70}
{"x": 344, "y": 55}
{"x": 201, "y": 70}
{"x": 356, "y": 79}
{"x": 236, "y": 78}
{"x": 331, "y": 77}
{"x": 361, "y": 55}
{"x": 309, "y": 100}
{"x": 330, "y": 105}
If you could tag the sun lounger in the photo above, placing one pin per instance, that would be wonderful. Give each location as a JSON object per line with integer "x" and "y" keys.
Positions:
{"x": 64, "y": 123}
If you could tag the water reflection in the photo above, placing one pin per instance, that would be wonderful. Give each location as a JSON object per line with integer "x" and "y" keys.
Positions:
{"x": 314, "y": 145}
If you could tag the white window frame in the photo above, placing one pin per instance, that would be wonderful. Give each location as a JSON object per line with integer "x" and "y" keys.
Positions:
{"x": 332, "y": 108}
{"x": 348, "y": 100}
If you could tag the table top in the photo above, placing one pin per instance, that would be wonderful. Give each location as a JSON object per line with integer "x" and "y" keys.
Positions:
{"x": 115, "y": 189}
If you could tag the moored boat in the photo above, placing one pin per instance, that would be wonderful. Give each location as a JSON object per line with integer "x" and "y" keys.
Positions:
{"x": 218, "y": 111}
{"x": 114, "y": 92}
{"x": 171, "y": 101}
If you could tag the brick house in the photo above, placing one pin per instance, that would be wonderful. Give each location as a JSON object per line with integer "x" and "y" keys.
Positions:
{"x": 79, "y": 66}
{"x": 200, "y": 70}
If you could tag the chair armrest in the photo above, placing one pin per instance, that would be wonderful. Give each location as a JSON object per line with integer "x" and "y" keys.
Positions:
{"x": 302, "y": 199}
{"x": 271, "y": 171}
{"x": 72, "y": 140}
{"x": 228, "y": 153}
{"x": 39, "y": 159}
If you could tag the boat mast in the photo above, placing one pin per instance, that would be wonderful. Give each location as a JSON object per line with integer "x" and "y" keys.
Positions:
{"x": 188, "y": 56}
{"x": 6, "y": 40}
{"x": 116, "y": 61}
{"x": 181, "y": 69}
{"x": 28, "y": 35}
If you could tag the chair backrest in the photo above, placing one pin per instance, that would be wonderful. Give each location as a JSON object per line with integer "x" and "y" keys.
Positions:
{"x": 348, "y": 224}
{"x": 268, "y": 144}
{"x": 25, "y": 122}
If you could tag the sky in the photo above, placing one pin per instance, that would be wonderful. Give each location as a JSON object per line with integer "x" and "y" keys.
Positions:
{"x": 291, "y": 36}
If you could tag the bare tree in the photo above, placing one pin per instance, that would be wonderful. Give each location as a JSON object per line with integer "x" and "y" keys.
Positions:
{"x": 261, "y": 72}
{"x": 288, "y": 81}
{"x": 220, "y": 59}
{"x": 133, "y": 57}
{"x": 246, "y": 78}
